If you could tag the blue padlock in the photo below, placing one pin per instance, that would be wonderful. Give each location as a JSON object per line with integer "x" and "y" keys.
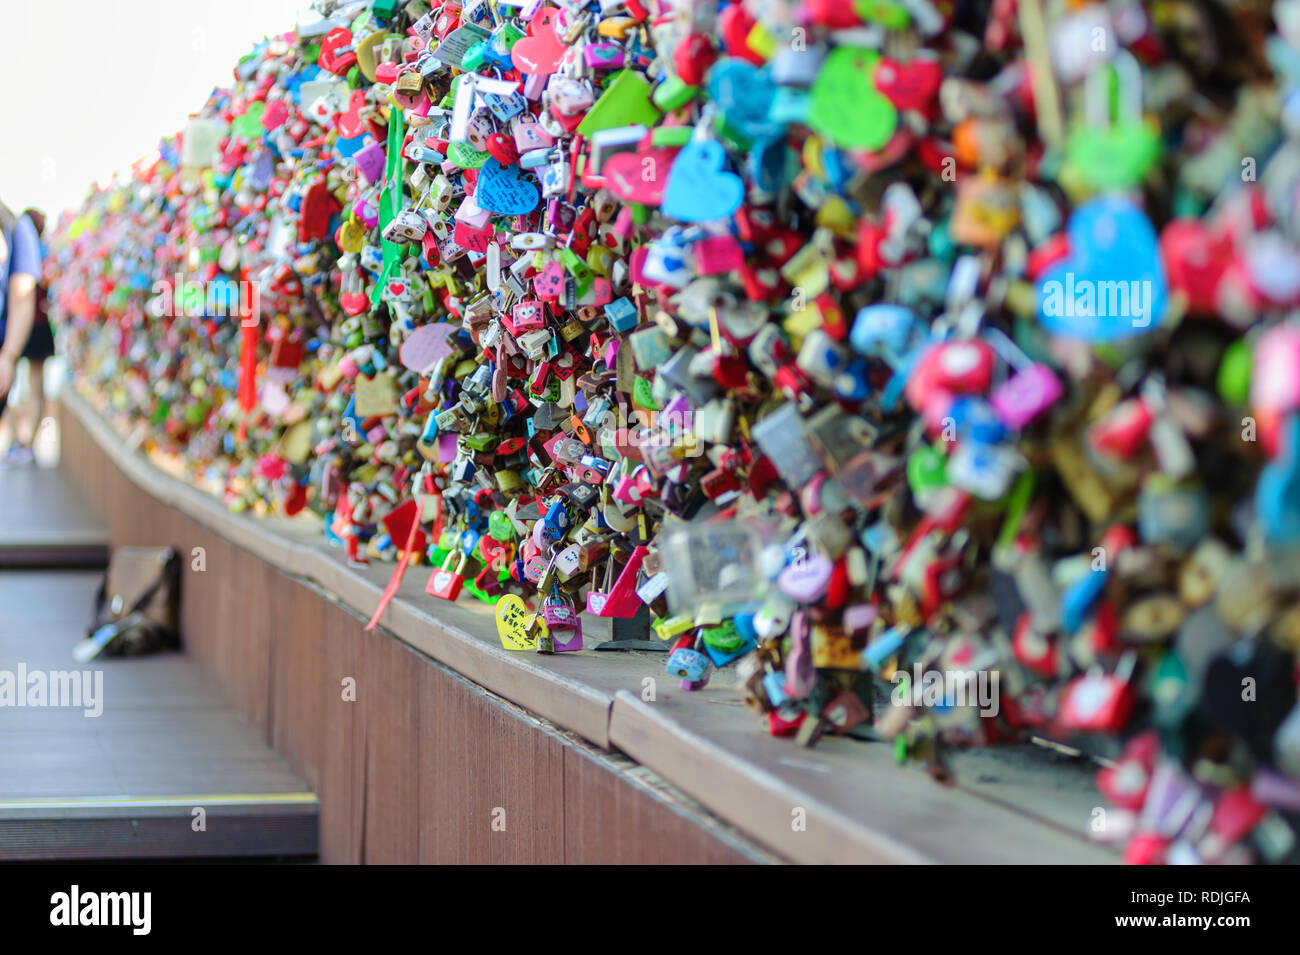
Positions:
{"x": 691, "y": 665}
{"x": 1078, "y": 598}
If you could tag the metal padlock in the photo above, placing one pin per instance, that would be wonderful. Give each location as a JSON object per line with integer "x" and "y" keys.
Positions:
{"x": 564, "y": 623}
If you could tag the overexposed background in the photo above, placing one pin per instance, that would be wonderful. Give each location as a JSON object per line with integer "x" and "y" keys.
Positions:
{"x": 89, "y": 86}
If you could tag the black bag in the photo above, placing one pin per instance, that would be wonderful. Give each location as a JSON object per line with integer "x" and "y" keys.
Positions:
{"x": 137, "y": 609}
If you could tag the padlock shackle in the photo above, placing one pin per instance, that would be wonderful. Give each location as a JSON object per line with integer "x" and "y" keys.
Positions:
{"x": 1096, "y": 92}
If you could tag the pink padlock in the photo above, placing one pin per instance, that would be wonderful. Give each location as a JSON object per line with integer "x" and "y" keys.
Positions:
{"x": 800, "y": 675}
{"x": 1025, "y": 395}
{"x": 718, "y": 255}
{"x": 561, "y": 619}
{"x": 1275, "y": 381}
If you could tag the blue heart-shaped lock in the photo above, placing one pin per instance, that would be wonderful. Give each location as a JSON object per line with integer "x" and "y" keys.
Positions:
{"x": 503, "y": 190}
{"x": 1112, "y": 284}
{"x": 744, "y": 94}
{"x": 699, "y": 189}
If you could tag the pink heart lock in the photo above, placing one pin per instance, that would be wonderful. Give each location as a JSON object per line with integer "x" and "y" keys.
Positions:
{"x": 350, "y": 124}
{"x": 639, "y": 177}
{"x": 541, "y": 50}
{"x": 806, "y": 579}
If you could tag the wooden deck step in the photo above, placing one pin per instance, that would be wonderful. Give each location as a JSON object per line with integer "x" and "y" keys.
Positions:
{"x": 150, "y": 762}
{"x": 45, "y": 523}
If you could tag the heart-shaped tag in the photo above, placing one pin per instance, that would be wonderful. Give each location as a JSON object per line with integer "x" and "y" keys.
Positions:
{"x": 909, "y": 86}
{"x": 502, "y": 148}
{"x": 1195, "y": 260}
{"x": 1118, "y": 156}
{"x": 540, "y": 51}
{"x": 624, "y": 102}
{"x": 513, "y": 624}
{"x": 699, "y": 189}
{"x": 354, "y": 302}
{"x": 744, "y": 93}
{"x": 275, "y": 115}
{"x": 466, "y": 156}
{"x": 1112, "y": 285}
{"x": 846, "y": 106}
{"x": 426, "y": 347}
{"x": 350, "y": 123}
{"x": 639, "y": 177}
{"x": 248, "y": 125}
{"x": 503, "y": 190}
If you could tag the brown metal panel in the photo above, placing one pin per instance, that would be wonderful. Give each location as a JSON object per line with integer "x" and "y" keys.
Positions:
{"x": 611, "y": 818}
{"x": 388, "y": 689}
{"x": 297, "y": 694}
{"x": 491, "y": 780}
{"x": 249, "y": 640}
{"x": 342, "y": 751}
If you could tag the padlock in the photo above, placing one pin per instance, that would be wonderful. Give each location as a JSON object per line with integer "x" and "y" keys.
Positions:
{"x": 564, "y": 623}
{"x": 1116, "y": 153}
{"x": 688, "y": 664}
{"x": 446, "y": 583}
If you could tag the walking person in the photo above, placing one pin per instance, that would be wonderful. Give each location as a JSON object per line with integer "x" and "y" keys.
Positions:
{"x": 20, "y": 270}
{"x": 40, "y": 346}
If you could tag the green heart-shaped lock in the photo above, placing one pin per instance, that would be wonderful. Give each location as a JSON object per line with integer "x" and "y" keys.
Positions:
{"x": 846, "y": 107}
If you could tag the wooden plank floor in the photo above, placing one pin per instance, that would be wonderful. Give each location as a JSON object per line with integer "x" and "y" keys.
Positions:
{"x": 44, "y": 522}
{"x": 129, "y": 781}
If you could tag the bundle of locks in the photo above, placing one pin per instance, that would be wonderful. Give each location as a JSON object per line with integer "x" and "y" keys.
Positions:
{"x": 907, "y": 342}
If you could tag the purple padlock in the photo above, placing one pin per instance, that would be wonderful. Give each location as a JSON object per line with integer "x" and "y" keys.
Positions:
{"x": 370, "y": 160}
{"x": 806, "y": 579}
{"x": 1025, "y": 395}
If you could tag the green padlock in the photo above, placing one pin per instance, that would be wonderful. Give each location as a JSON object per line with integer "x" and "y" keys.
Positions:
{"x": 927, "y": 470}
{"x": 1114, "y": 152}
{"x": 499, "y": 527}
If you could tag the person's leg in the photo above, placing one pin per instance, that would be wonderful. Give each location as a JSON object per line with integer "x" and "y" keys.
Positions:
{"x": 36, "y": 386}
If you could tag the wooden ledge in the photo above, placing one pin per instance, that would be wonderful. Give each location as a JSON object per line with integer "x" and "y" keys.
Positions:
{"x": 842, "y": 801}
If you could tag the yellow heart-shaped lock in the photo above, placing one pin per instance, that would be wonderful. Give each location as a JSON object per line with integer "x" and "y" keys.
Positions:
{"x": 515, "y": 625}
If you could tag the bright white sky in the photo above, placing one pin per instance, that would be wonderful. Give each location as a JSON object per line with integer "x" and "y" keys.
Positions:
{"x": 89, "y": 86}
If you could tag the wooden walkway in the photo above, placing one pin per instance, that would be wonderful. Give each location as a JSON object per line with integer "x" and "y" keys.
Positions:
{"x": 44, "y": 523}
{"x": 147, "y": 760}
